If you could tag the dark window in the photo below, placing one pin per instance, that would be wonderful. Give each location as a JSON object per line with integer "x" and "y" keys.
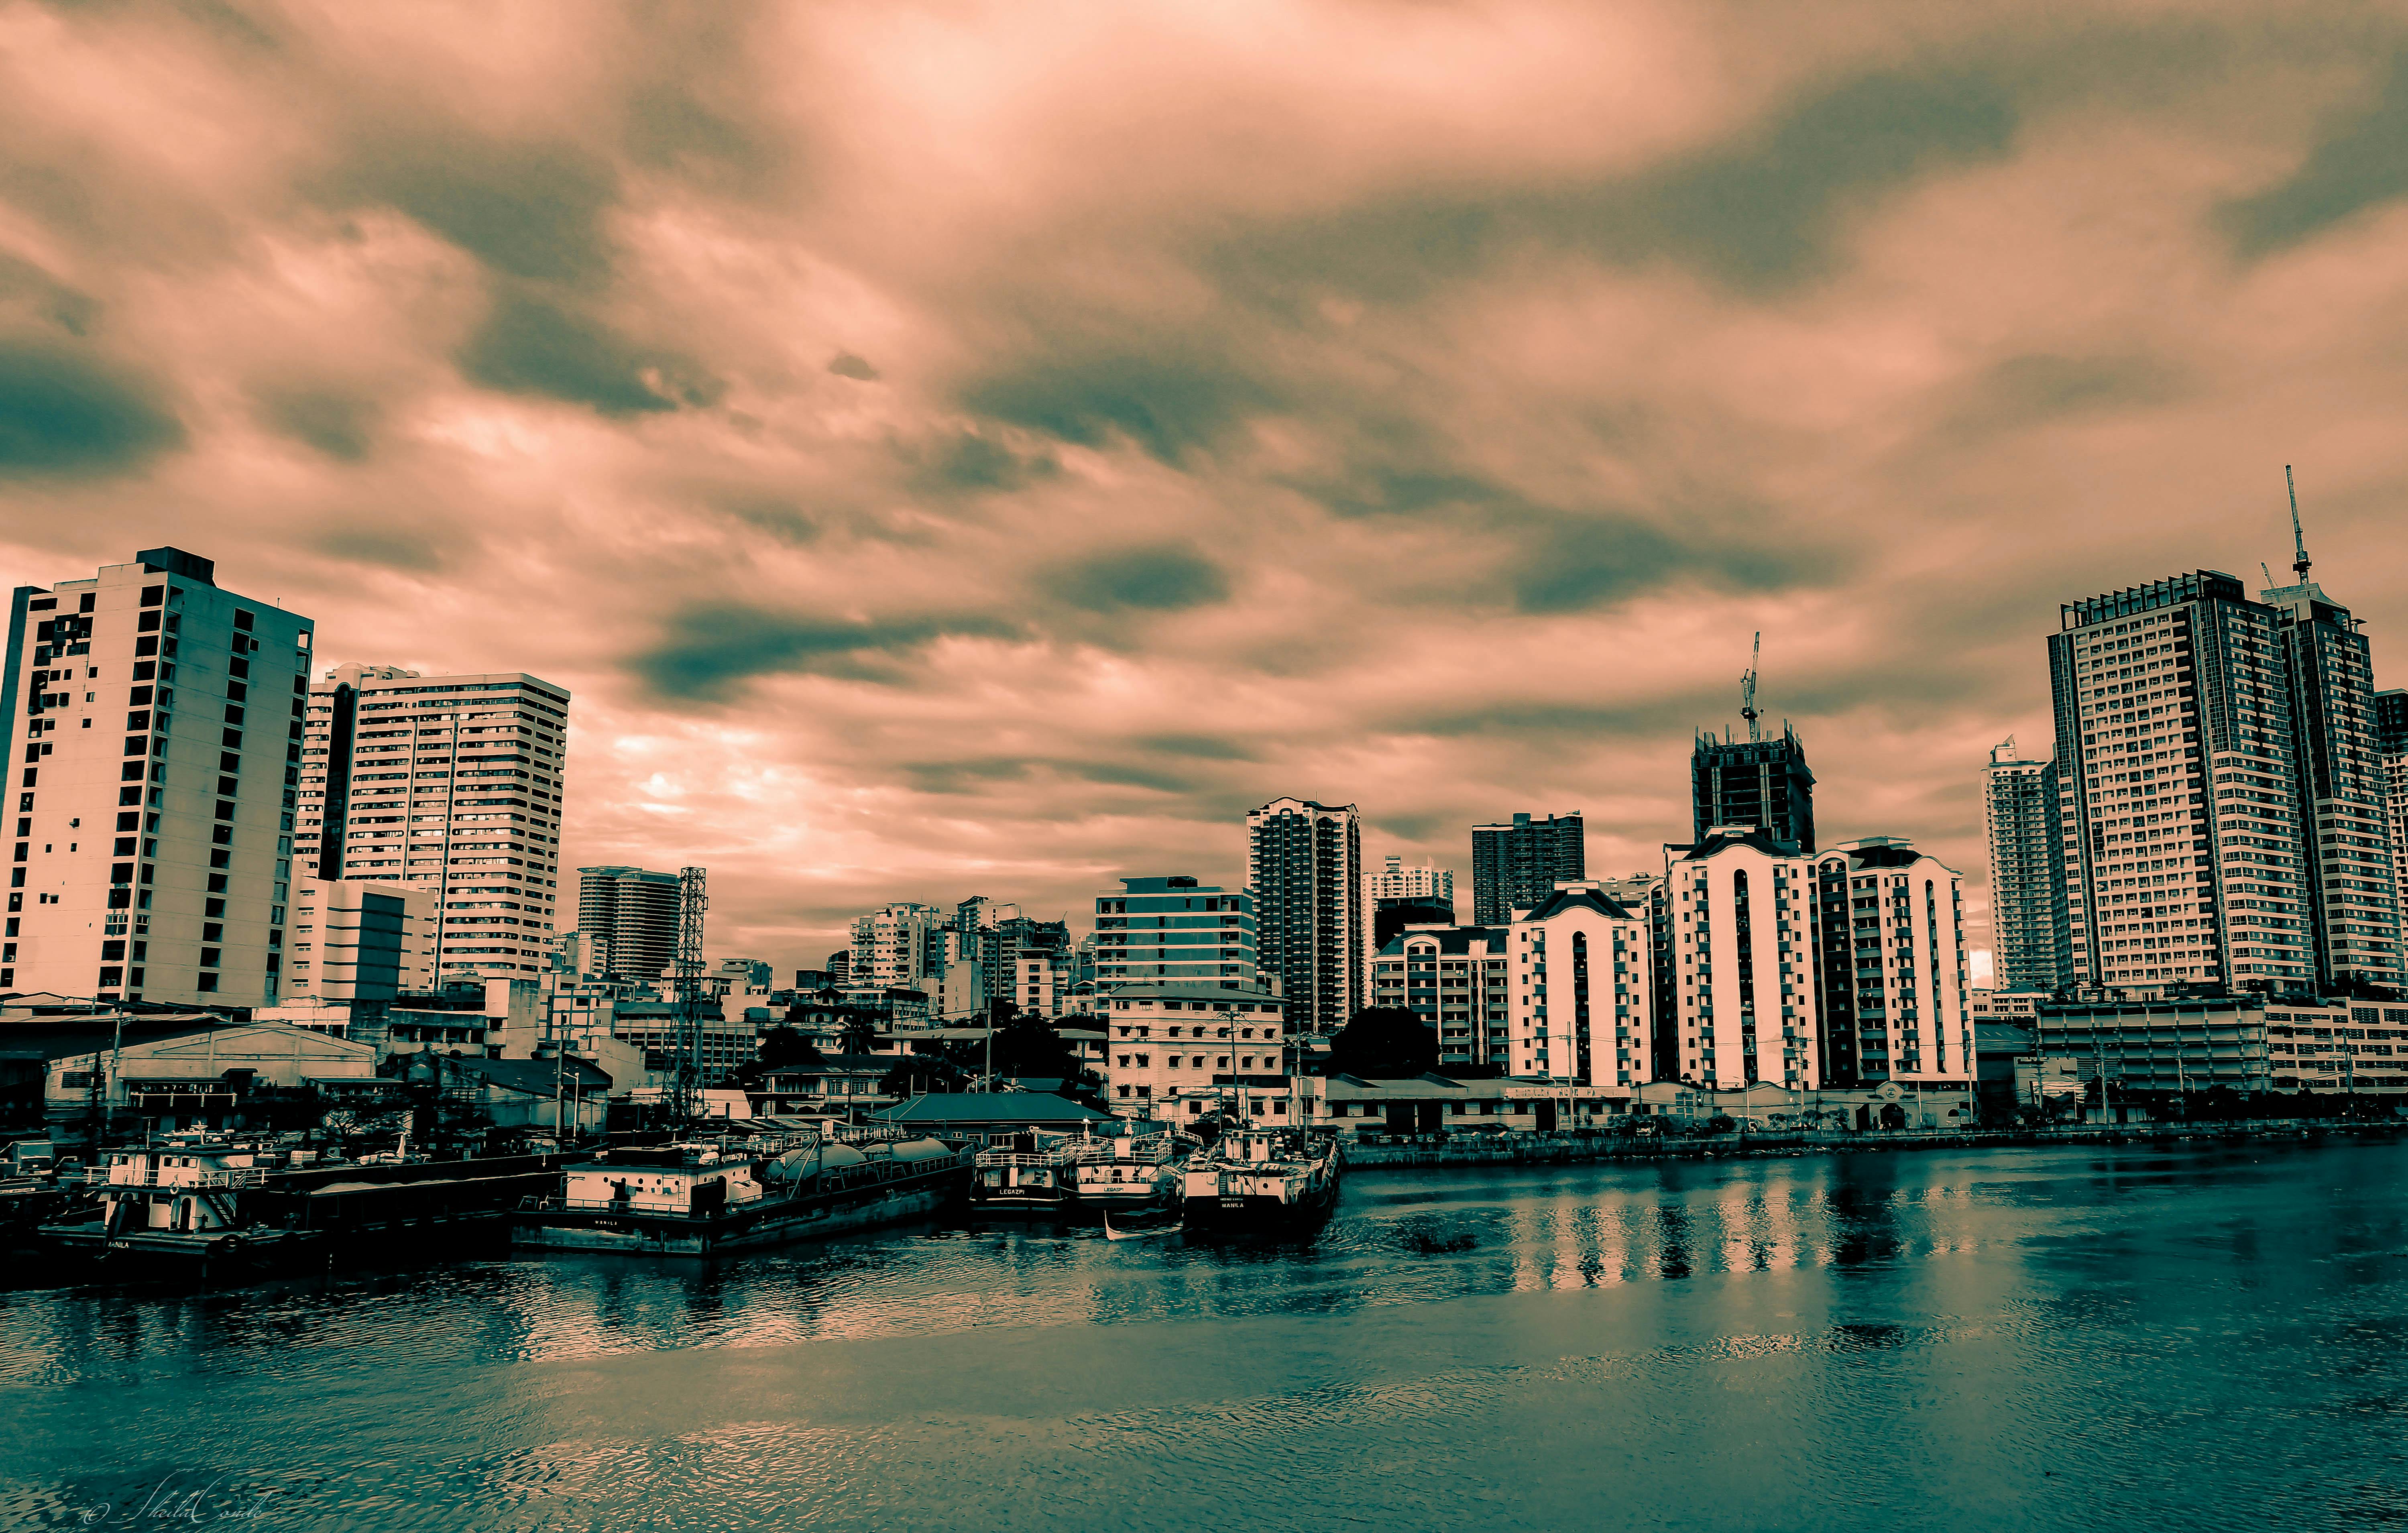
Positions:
{"x": 242, "y": 620}
{"x": 154, "y": 595}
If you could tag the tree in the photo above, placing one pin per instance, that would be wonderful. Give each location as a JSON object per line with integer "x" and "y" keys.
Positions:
{"x": 1029, "y": 1046}
{"x": 860, "y": 1033}
{"x": 785, "y": 1048}
{"x": 931, "y": 1071}
{"x": 1384, "y": 1042}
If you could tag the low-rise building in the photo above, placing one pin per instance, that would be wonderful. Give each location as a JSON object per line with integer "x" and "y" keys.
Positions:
{"x": 1179, "y": 1051}
{"x": 837, "y": 1084}
{"x": 2165, "y": 1045}
{"x": 561, "y": 1092}
{"x": 183, "y": 1072}
{"x": 1434, "y": 1103}
{"x": 2337, "y": 1045}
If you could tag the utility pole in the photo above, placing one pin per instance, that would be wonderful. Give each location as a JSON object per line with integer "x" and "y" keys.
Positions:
{"x": 686, "y": 1095}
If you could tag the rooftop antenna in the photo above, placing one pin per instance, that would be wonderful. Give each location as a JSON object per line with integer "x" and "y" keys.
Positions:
{"x": 1747, "y": 708}
{"x": 2298, "y": 543}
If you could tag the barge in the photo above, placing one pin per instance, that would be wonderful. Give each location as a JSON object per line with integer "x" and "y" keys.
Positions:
{"x": 700, "y": 1197}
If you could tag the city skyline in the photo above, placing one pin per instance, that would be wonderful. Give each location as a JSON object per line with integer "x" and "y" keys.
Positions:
{"x": 1019, "y": 559}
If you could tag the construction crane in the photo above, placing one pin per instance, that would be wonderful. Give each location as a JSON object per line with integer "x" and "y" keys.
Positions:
{"x": 686, "y": 1093}
{"x": 2298, "y": 543}
{"x": 1747, "y": 708}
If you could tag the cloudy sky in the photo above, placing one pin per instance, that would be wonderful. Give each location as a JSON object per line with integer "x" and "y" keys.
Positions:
{"x": 955, "y": 450}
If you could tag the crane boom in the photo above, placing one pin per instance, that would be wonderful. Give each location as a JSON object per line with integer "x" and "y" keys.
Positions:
{"x": 2299, "y": 542}
{"x": 1747, "y": 708}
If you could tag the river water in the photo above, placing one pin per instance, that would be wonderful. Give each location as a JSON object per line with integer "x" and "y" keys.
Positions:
{"x": 2050, "y": 1337}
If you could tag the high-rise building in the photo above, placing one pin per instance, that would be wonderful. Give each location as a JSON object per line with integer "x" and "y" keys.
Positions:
{"x": 1582, "y": 1009}
{"x": 1891, "y": 996}
{"x": 1458, "y": 981}
{"x": 2391, "y": 723}
{"x": 2177, "y": 800}
{"x": 2030, "y": 945}
{"x": 351, "y": 940}
{"x": 1397, "y": 896}
{"x": 1174, "y": 930}
{"x": 452, "y": 784}
{"x": 2337, "y": 763}
{"x": 1739, "y": 912}
{"x": 156, "y": 725}
{"x": 1304, "y": 866}
{"x": 1422, "y": 884}
{"x": 898, "y": 947}
{"x": 1765, "y": 783}
{"x": 2391, "y": 740}
{"x": 629, "y": 917}
{"x": 1515, "y": 866}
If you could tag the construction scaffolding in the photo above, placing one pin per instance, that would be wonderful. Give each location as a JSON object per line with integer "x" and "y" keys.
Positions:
{"x": 685, "y": 1090}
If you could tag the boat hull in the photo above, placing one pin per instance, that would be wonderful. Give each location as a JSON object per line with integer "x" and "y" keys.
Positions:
{"x": 1248, "y": 1213}
{"x": 742, "y": 1229}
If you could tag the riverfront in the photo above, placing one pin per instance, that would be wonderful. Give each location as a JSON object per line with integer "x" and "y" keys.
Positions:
{"x": 2053, "y": 1337}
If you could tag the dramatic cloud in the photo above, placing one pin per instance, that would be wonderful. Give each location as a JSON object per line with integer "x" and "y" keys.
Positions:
{"x": 983, "y": 450}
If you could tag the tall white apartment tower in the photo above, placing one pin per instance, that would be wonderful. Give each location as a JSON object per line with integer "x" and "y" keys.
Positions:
{"x": 1891, "y": 989}
{"x": 2178, "y": 807}
{"x": 1304, "y": 863}
{"x": 1739, "y": 912}
{"x": 155, "y": 723}
{"x": 1583, "y": 1007}
{"x": 452, "y": 784}
{"x": 2029, "y": 940}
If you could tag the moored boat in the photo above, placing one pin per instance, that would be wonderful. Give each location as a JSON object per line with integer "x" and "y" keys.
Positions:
{"x": 1032, "y": 1171}
{"x": 1261, "y": 1180}
{"x": 1131, "y": 1174}
{"x": 702, "y": 1196}
{"x": 178, "y": 1206}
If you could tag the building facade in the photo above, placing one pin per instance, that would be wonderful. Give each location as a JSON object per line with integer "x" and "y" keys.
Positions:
{"x": 350, "y": 941}
{"x": 1891, "y": 994}
{"x": 452, "y": 784}
{"x": 629, "y": 918}
{"x": 2178, "y": 803}
{"x": 1181, "y": 1051}
{"x": 1458, "y": 981}
{"x": 898, "y": 946}
{"x": 1174, "y": 930}
{"x": 1764, "y": 783}
{"x": 1304, "y": 867}
{"x": 155, "y": 723}
{"x": 1741, "y": 911}
{"x": 1582, "y": 1003}
{"x": 2341, "y": 787}
{"x": 2031, "y": 946}
{"x": 1516, "y": 864}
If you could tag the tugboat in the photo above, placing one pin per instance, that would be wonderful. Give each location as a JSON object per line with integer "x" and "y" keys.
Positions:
{"x": 1085, "y": 1173}
{"x": 702, "y": 1196}
{"x": 1032, "y": 1171}
{"x": 178, "y": 1206}
{"x": 1266, "y": 1180}
{"x": 1133, "y": 1174}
